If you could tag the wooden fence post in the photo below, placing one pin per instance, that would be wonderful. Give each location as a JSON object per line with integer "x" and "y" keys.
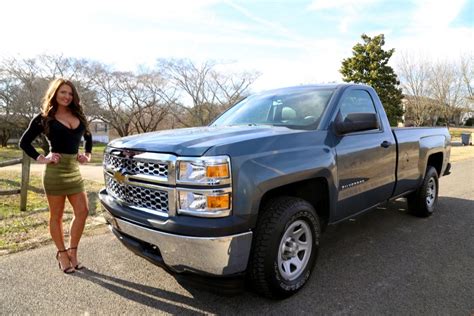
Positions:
{"x": 25, "y": 180}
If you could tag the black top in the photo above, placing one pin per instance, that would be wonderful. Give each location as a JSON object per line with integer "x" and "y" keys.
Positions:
{"x": 61, "y": 139}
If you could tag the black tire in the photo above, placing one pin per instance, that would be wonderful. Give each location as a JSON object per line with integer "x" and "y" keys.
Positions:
{"x": 422, "y": 202}
{"x": 285, "y": 247}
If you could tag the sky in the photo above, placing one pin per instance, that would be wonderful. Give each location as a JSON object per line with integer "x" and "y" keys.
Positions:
{"x": 289, "y": 42}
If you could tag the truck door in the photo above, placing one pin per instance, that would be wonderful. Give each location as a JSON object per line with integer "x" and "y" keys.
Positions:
{"x": 366, "y": 159}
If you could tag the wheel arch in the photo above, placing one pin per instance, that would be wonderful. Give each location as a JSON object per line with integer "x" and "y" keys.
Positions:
{"x": 435, "y": 160}
{"x": 315, "y": 191}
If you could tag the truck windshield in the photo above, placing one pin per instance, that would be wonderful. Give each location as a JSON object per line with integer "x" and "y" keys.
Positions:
{"x": 299, "y": 108}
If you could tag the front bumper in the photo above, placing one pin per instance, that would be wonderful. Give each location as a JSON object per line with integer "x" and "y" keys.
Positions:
{"x": 213, "y": 256}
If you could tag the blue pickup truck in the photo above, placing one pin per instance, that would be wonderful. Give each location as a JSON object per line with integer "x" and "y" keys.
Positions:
{"x": 250, "y": 194}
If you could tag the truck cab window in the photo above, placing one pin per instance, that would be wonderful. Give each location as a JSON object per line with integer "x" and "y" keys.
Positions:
{"x": 357, "y": 101}
{"x": 298, "y": 108}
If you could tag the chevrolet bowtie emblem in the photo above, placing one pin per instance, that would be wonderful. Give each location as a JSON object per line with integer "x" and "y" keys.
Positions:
{"x": 119, "y": 177}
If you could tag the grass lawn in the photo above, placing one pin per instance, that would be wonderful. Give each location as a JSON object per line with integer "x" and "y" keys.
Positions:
{"x": 10, "y": 152}
{"x": 97, "y": 153}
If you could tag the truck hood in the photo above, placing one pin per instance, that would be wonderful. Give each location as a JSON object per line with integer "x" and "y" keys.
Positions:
{"x": 196, "y": 141}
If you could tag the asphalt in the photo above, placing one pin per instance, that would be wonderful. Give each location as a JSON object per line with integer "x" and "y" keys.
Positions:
{"x": 383, "y": 262}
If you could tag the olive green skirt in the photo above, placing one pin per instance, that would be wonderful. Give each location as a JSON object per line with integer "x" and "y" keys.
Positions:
{"x": 63, "y": 178}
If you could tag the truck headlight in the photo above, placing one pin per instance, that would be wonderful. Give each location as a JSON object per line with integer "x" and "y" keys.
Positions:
{"x": 204, "y": 170}
{"x": 205, "y": 203}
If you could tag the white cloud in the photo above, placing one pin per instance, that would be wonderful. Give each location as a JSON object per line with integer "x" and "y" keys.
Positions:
{"x": 347, "y": 12}
{"x": 266, "y": 23}
{"x": 447, "y": 44}
{"x": 429, "y": 32}
{"x": 435, "y": 15}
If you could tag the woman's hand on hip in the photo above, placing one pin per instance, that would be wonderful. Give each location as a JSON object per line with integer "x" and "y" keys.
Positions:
{"x": 84, "y": 158}
{"x": 50, "y": 158}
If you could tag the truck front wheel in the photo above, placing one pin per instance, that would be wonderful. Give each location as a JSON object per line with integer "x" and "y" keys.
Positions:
{"x": 423, "y": 201}
{"x": 285, "y": 247}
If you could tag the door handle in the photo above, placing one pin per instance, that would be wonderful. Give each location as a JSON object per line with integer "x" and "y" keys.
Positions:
{"x": 385, "y": 144}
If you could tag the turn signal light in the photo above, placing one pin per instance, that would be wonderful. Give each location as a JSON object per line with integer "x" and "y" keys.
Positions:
{"x": 217, "y": 171}
{"x": 218, "y": 202}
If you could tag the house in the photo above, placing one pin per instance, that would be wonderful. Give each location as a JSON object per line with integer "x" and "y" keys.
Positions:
{"x": 421, "y": 111}
{"x": 100, "y": 131}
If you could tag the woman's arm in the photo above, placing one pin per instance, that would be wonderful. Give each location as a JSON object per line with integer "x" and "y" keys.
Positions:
{"x": 88, "y": 145}
{"x": 34, "y": 129}
{"x": 86, "y": 157}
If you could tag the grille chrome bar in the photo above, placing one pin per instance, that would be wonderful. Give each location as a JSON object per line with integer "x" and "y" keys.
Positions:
{"x": 153, "y": 167}
{"x": 151, "y": 198}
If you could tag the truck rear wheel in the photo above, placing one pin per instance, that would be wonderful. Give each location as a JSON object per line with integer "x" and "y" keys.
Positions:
{"x": 285, "y": 247}
{"x": 423, "y": 201}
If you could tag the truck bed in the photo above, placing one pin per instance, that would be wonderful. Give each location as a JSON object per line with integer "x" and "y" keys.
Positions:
{"x": 414, "y": 144}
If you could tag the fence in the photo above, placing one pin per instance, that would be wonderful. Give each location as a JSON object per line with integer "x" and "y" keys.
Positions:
{"x": 25, "y": 179}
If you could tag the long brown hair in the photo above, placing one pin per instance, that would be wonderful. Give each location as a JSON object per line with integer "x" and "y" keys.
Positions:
{"x": 50, "y": 105}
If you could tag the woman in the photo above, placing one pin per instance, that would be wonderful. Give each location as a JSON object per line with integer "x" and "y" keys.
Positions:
{"x": 63, "y": 122}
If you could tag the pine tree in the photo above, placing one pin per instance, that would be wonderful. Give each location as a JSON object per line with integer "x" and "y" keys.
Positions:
{"x": 369, "y": 65}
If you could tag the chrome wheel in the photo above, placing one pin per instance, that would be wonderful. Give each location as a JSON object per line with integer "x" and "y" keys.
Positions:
{"x": 295, "y": 250}
{"x": 431, "y": 192}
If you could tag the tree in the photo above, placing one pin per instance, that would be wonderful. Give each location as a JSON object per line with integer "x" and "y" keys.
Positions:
{"x": 21, "y": 91}
{"x": 7, "y": 107}
{"x": 369, "y": 65}
{"x": 131, "y": 103}
{"x": 148, "y": 98}
{"x": 115, "y": 110}
{"x": 439, "y": 89}
{"x": 420, "y": 108}
{"x": 467, "y": 71}
{"x": 447, "y": 85}
{"x": 210, "y": 91}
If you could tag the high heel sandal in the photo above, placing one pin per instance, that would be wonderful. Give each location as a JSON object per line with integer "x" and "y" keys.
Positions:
{"x": 79, "y": 265}
{"x": 67, "y": 270}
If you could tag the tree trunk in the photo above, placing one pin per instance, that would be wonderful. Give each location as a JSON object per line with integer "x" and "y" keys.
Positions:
{"x": 4, "y": 137}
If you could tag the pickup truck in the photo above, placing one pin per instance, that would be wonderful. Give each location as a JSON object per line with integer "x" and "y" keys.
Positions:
{"x": 249, "y": 195}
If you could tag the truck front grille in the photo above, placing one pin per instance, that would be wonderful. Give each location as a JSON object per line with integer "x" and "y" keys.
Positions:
{"x": 141, "y": 180}
{"x": 139, "y": 197}
{"x": 132, "y": 166}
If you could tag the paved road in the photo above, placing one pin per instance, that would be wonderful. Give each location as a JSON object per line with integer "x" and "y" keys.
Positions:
{"x": 384, "y": 262}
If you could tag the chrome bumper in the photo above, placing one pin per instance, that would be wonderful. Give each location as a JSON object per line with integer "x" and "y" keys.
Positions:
{"x": 217, "y": 256}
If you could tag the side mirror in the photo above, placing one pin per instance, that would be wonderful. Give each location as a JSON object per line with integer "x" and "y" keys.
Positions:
{"x": 356, "y": 122}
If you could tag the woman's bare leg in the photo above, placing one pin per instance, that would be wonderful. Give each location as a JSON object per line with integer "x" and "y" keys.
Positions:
{"x": 56, "y": 211}
{"x": 81, "y": 210}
